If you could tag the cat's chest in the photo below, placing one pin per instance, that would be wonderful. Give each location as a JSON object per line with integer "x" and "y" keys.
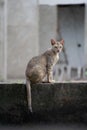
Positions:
{"x": 55, "y": 59}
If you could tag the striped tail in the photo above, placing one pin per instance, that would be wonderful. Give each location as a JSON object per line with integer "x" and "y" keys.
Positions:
{"x": 29, "y": 99}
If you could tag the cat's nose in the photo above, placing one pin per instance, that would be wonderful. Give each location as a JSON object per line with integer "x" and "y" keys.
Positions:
{"x": 57, "y": 50}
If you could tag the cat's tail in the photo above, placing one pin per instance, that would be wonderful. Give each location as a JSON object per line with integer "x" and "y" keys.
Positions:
{"x": 29, "y": 99}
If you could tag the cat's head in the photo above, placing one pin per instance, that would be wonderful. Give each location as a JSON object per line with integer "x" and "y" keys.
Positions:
{"x": 57, "y": 46}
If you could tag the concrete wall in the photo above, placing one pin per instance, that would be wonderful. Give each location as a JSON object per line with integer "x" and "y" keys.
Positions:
{"x": 47, "y": 25}
{"x": 18, "y": 36}
{"x": 1, "y": 39}
{"x": 59, "y": 102}
{"x": 85, "y": 46}
{"x": 22, "y": 35}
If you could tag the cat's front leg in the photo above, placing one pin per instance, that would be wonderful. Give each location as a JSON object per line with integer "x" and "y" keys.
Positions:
{"x": 50, "y": 75}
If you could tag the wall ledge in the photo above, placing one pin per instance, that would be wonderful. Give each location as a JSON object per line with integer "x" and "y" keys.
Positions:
{"x": 51, "y": 102}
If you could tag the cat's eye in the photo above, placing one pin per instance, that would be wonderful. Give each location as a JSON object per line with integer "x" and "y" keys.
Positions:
{"x": 56, "y": 47}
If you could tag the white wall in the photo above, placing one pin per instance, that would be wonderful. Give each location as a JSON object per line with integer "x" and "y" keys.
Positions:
{"x": 22, "y": 35}
{"x": 1, "y": 39}
{"x": 85, "y": 47}
{"x": 47, "y": 26}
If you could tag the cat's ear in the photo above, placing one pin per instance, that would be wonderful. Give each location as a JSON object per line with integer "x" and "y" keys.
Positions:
{"x": 62, "y": 42}
{"x": 53, "y": 42}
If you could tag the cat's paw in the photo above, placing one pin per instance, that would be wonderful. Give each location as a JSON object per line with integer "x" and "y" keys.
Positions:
{"x": 52, "y": 81}
{"x": 30, "y": 108}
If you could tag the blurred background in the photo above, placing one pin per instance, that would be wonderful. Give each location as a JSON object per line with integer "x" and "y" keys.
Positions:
{"x": 26, "y": 27}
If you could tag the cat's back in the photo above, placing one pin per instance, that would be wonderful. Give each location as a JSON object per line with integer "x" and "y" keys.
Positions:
{"x": 34, "y": 60}
{"x": 37, "y": 60}
{"x": 36, "y": 67}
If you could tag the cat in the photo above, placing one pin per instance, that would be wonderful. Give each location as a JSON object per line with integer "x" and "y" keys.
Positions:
{"x": 41, "y": 67}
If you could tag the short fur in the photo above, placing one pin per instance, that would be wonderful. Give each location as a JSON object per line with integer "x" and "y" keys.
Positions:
{"x": 41, "y": 66}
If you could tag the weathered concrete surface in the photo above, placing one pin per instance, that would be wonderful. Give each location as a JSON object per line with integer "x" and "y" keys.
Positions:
{"x": 47, "y": 26}
{"x": 1, "y": 39}
{"x": 13, "y": 102}
{"x": 50, "y": 102}
{"x": 22, "y": 36}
